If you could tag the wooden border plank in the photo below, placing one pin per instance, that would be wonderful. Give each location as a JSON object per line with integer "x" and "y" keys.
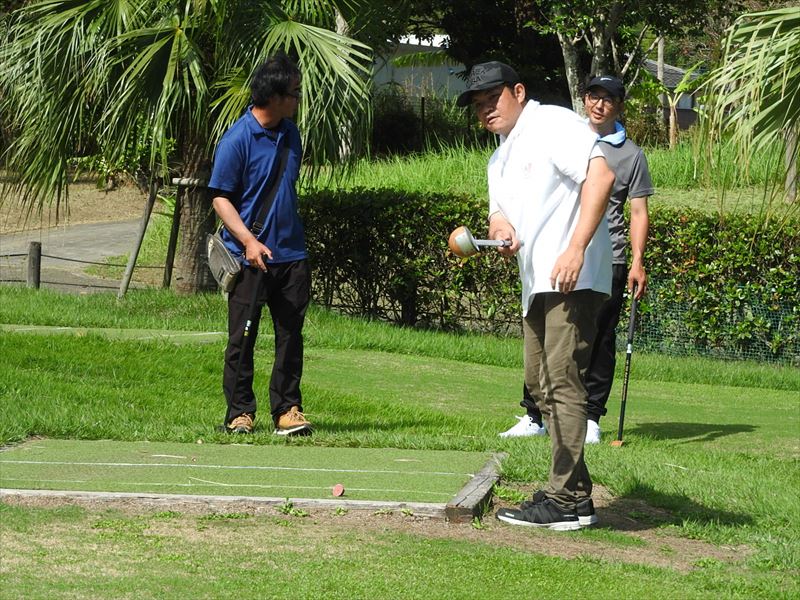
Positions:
{"x": 471, "y": 500}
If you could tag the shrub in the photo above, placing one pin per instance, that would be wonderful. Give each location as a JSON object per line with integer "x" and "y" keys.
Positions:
{"x": 383, "y": 253}
{"x": 644, "y": 117}
{"x": 731, "y": 284}
{"x": 404, "y": 124}
{"x": 396, "y": 127}
{"x": 720, "y": 285}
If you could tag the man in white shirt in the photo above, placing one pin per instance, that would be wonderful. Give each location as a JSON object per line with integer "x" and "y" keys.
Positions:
{"x": 548, "y": 190}
{"x": 604, "y": 102}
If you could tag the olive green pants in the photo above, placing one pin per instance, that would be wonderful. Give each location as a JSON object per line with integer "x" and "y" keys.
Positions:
{"x": 559, "y": 332}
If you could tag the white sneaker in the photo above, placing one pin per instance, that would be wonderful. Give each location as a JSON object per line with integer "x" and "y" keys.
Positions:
{"x": 592, "y": 432}
{"x": 525, "y": 427}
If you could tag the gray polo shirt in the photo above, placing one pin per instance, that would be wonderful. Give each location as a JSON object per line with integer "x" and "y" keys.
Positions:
{"x": 632, "y": 181}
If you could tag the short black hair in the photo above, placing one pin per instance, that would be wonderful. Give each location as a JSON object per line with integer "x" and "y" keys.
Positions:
{"x": 273, "y": 78}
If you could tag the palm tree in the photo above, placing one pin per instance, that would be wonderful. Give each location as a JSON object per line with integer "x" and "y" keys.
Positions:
{"x": 755, "y": 93}
{"x": 169, "y": 75}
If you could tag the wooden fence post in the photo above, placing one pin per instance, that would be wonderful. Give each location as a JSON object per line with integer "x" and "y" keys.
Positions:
{"x": 148, "y": 208}
{"x": 173, "y": 238}
{"x": 34, "y": 265}
{"x": 423, "y": 133}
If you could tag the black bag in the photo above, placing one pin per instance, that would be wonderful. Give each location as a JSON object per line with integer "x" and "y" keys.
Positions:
{"x": 224, "y": 266}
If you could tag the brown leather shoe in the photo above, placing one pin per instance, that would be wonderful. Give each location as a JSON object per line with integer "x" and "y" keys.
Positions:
{"x": 241, "y": 424}
{"x": 293, "y": 422}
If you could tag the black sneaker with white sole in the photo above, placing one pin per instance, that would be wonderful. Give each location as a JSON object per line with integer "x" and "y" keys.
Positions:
{"x": 546, "y": 514}
{"x": 585, "y": 508}
{"x": 586, "y": 514}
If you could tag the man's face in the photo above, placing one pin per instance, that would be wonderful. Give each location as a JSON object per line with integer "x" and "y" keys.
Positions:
{"x": 499, "y": 108}
{"x": 601, "y": 107}
{"x": 287, "y": 104}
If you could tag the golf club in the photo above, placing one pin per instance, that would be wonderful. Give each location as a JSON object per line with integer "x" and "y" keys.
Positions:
{"x": 463, "y": 244}
{"x": 251, "y": 315}
{"x": 628, "y": 351}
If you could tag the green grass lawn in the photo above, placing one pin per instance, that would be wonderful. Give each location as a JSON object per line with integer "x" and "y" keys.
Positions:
{"x": 710, "y": 458}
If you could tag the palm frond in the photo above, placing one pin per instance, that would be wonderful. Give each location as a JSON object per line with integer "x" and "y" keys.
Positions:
{"x": 755, "y": 93}
{"x": 335, "y": 112}
{"x": 97, "y": 72}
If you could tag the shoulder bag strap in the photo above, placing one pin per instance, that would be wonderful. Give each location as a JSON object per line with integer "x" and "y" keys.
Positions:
{"x": 272, "y": 188}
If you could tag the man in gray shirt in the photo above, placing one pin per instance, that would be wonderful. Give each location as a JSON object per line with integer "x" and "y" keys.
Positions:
{"x": 604, "y": 102}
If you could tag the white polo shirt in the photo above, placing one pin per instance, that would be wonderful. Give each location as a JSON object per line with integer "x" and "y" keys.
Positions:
{"x": 535, "y": 179}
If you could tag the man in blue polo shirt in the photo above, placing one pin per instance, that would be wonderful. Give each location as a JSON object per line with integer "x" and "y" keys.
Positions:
{"x": 246, "y": 157}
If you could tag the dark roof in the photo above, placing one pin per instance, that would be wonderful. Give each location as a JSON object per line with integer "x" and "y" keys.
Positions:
{"x": 672, "y": 75}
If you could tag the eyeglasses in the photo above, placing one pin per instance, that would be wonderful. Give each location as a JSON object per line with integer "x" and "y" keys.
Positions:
{"x": 298, "y": 93}
{"x": 594, "y": 99}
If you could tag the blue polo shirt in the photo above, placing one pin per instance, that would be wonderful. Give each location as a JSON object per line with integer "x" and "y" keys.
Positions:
{"x": 243, "y": 161}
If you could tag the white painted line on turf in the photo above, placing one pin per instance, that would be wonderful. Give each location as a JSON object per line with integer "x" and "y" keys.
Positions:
{"x": 41, "y": 328}
{"x": 299, "y": 487}
{"x": 235, "y": 467}
{"x": 676, "y": 466}
{"x": 205, "y": 482}
{"x": 176, "y": 334}
{"x": 45, "y": 480}
{"x": 145, "y": 335}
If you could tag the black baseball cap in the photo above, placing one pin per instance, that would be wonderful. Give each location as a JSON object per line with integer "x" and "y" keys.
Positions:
{"x": 609, "y": 83}
{"x": 485, "y": 76}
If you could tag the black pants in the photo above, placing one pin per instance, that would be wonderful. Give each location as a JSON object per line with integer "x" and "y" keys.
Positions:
{"x": 600, "y": 374}
{"x": 285, "y": 289}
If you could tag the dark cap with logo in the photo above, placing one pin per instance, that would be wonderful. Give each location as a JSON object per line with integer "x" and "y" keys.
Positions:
{"x": 485, "y": 76}
{"x": 609, "y": 83}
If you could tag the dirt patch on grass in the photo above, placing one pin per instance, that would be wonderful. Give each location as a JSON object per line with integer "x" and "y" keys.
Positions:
{"x": 645, "y": 538}
{"x": 86, "y": 204}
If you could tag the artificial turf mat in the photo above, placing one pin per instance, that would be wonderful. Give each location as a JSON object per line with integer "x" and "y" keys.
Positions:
{"x": 377, "y": 474}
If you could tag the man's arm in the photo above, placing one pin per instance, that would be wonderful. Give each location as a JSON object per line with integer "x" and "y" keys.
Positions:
{"x": 640, "y": 225}
{"x": 253, "y": 249}
{"x": 594, "y": 200}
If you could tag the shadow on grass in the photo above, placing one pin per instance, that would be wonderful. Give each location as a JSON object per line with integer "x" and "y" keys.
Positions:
{"x": 647, "y": 508}
{"x": 690, "y": 432}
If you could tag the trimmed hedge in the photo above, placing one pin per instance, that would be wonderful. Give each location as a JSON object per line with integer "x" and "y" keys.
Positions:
{"x": 383, "y": 253}
{"x": 725, "y": 286}
{"x": 730, "y": 283}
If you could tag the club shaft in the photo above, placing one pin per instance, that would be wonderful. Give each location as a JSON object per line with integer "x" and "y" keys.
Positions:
{"x": 500, "y": 243}
{"x": 627, "y": 373}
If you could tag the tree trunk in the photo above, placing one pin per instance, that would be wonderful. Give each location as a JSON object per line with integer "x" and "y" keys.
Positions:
{"x": 573, "y": 70}
{"x": 673, "y": 124}
{"x": 791, "y": 164}
{"x": 197, "y": 219}
{"x": 345, "y": 133}
{"x": 660, "y": 75}
{"x": 603, "y": 31}
{"x": 602, "y": 60}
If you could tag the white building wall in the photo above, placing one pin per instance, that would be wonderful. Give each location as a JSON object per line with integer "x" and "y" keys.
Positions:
{"x": 420, "y": 81}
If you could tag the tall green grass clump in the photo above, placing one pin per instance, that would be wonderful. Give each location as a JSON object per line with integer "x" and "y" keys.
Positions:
{"x": 461, "y": 170}
{"x": 457, "y": 170}
{"x": 688, "y": 166}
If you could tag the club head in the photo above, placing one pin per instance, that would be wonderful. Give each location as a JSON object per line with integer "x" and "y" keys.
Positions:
{"x": 617, "y": 443}
{"x": 462, "y": 243}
